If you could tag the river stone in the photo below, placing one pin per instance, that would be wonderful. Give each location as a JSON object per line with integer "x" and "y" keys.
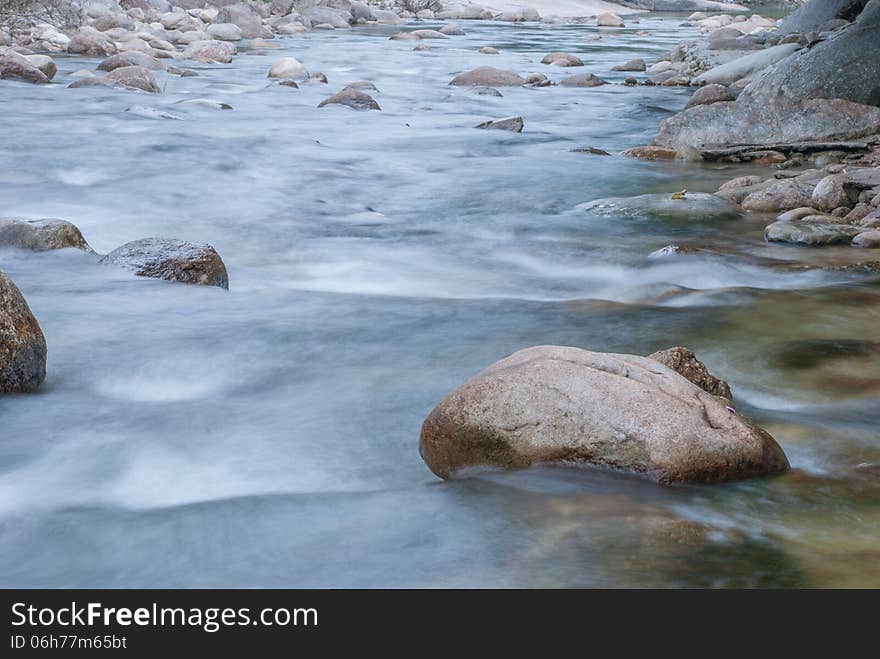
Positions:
{"x": 582, "y": 80}
{"x": 488, "y": 50}
{"x": 814, "y": 230}
{"x": 637, "y": 65}
{"x": 288, "y": 68}
{"x": 429, "y": 34}
{"x": 815, "y": 13}
{"x": 869, "y": 239}
{"x": 609, "y": 19}
{"x": 130, "y": 58}
{"x": 337, "y": 18}
{"x": 487, "y": 76}
{"x": 247, "y": 19}
{"x": 22, "y": 344}
{"x": 797, "y": 214}
{"x": 484, "y": 91}
{"x": 513, "y": 124}
{"x": 451, "y": 29}
{"x": 44, "y": 63}
{"x": 572, "y": 407}
{"x": 40, "y": 235}
{"x": 562, "y": 59}
{"x": 14, "y": 66}
{"x": 697, "y": 205}
{"x": 404, "y": 36}
{"x": 90, "y": 42}
{"x": 224, "y": 31}
{"x": 710, "y": 94}
{"x": 833, "y": 192}
{"x": 685, "y": 363}
{"x": 136, "y": 77}
{"x": 780, "y": 196}
{"x": 352, "y": 98}
{"x": 173, "y": 260}
{"x": 210, "y": 51}
{"x": 746, "y": 66}
{"x": 650, "y": 153}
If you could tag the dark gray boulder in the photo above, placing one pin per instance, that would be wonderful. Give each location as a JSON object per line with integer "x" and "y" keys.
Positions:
{"x": 22, "y": 344}
{"x": 814, "y": 14}
{"x": 173, "y": 260}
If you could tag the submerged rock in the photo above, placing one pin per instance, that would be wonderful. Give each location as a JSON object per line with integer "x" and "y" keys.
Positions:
{"x": 40, "y": 235}
{"x": 814, "y": 230}
{"x": 487, "y": 76}
{"x": 352, "y": 98}
{"x": 695, "y": 205}
{"x": 173, "y": 260}
{"x": 514, "y": 124}
{"x": 566, "y": 406}
{"x": 685, "y": 363}
{"x": 22, "y": 344}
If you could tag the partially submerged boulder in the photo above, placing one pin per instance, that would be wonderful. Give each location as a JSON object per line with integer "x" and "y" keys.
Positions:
{"x": 513, "y": 124}
{"x": 353, "y": 98}
{"x": 173, "y": 260}
{"x": 22, "y": 344}
{"x": 566, "y": 406}
{"x": 40, "y": 235}
{"x": 131, "y": 58}
{"x": 14, "y": 66}
{"x": 813, "y": 230}
{"x": 488, "y": 76}
{"x": 582, "y": 80}
{"x": 695, "y": 205}
{"x": 288, "y": 68}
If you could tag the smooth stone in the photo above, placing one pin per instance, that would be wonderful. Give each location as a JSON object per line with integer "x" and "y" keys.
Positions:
{"x": 352, "y": 98}
{"x": 697, "y": 205}
{"x": 513, "y": 124}
{"x": 172, "y": 260}
{"x": 562, "y": 59}
{"x": 685, "y": 363}
{"x": 130, "y": 58}
{"x": 582, "y": 80}
{"x": 814, "y": 230}
{"x": 487, "y": 76}
{"x": 637, "y": 65}
{"x": 22, "y": 344}
{"x": 289, "y": 68}
{"x": 40, "y": 235}
{"x": 868, "y": 239}
{"x": 710, "y": 94}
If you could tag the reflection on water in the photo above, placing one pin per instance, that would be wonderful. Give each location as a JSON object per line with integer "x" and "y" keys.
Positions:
{"x": 268, "y": 436}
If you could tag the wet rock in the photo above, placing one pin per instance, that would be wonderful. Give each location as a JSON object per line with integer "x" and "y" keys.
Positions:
{"x": 638, "y": 65}
{"x": 44, "y": 63}
{"x": 513, "y": 124}
{"x": 429, "y": 34}
{"x": 858, "y": 213}
{"x": 337, "y": 18}
{"x": 485, "y": 91}
{"x": 868, "y": 239}
{"x": 746, "y": 66}
{"x": 674, "y": 250}
{"x": 210, "y": 51}
{"x": 14, "y": 66}
{"x": 592, "y": 150}
{"x": 210, "y": 103}
{"x": 566, "y": 406}
{"x": 404, "y": 36}
{"x": 353, "y": 98}
{"x": 537, "y": 80}
{"x": 40, "y": 235}
{"x": 609, "y": 19}
{"x": 695, "y": 205}
{"x": 815, "y": 13}
{"x": 487, "y": 76}
{"x": 452, "y": 29}
{"x": 488, "y": 50}
{"x": 22, "y": 344}
{"x": 710, "y": 94}
{"x": 740, "y": 182}
{"x": 173, "y": 260}
{"x": 780, "y": 196}
{"x": 562, "y": 59}
{"x": 583, "y": 80}
{"x": 814, "y": 230}
{"x": 247, "y": 19}
{"x": 798, "y": 214}
{"x": 685, "y": 363}
{"x": 650, "y": 153}
{"x": 135, "y": 77}
{"x": 130, "y": 58}
{"x": 362, "y": 85}
{"x": 288, "y": 68}
{"x": 422, "y": 46}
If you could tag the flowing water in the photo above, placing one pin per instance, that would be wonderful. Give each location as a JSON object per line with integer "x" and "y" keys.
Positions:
{"x": 267, "y": 436}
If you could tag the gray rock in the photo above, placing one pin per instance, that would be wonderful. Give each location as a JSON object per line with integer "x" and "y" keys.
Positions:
{"x": 130, "y": 58}
{"x": 44, "y": 63}
{"x": 210, "y": 51}
{"x": 225, "y": 32}
{"x": 135, "y": 77}
{"x": 571, "y": 407}
{"x": 40, "y": 235}
{"x": 815, "y": 230}
{"x": 22, "y": 344}
{"x": 513, "y": 124}
{"x": 583, "y": 80}
{"x": 696, "y": 205}
{"x": 833, "y": 192}
{"x": 247, "y": 19}
{"x": 710, "y": 94}
{"x": 562, "y": 59}
{"x": 487, "y": 76}
{"x": 172, "y": 260}
{"x": 638, "y": 65}
{"x": 868, "y": 239}
{"x": 746, "y": 66}
{"x": 288, "y": 68}
{"x": 780, "y": 196}
{"x": 14, "y": 66}
{"x": 485, "y": 91}
{"x": 815, "y": 13}
{"x": 90, "y": 42}
{"x": 452, "y": 29}
{"x": 357, "y": 100}
{"x": 337, "y": 18}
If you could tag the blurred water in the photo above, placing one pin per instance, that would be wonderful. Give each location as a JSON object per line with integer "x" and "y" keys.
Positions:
{"x": 267, "y": 436}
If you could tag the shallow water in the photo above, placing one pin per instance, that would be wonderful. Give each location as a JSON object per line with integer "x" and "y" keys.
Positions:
{"x": 267, "y": 436}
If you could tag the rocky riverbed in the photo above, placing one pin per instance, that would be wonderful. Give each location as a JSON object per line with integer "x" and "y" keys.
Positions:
{"x": 378, "y": 252}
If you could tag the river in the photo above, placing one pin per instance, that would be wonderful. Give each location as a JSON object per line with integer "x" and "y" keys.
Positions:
{"x": 268, "y": 436}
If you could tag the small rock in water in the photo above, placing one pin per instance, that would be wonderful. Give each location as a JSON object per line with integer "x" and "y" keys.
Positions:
{"x": 206, "y": 103}
{"x": 40, "y": 235}
{"x": 638, "y": 65}
{"x": 484, "y": 91}
{"x": 318, "y": 77}
{"x": 609, "y": 19}
{"x": 289, "y": 68}
{"x": 172, "y": 260}
{"x": 514, "y": 124}
{"x": 814, "y": 230}
{"x": 582, "y": 80}
{"x": 562, "y": 59}
{"x": 422, "y": 46}
{"x": 352, "y": 98}
{"x": 487, "y": 76}
{"x": 22, "y": 344}
{"x": 452, "y": 29}
{"x": 592, "y": 150}
{"x": 488, "y": 50}
{"x": 650, "y": 153}
{"x": 868, "y": 239}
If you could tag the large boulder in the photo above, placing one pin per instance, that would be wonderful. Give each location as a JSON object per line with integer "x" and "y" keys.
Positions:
{"x": 210, "y": 51}
{"x": 131, "y": 58}
{"x": 328, "y": 16}
{"x": 44, "y": 63}
{"x": 135, "y": 77}
{"x": 583, "y": 80}
{"x": 40, "y": 235}
{"x": 695, "y": 205}
{"x": 566, "y": 406}
{"x": 247, "y": 19}
{"x": 22, "y": 344}
{"x": 352, "y": 98}
{"x": 288, "y": 68}
{"x": 747, "y": 65}
{"x": 487, "y": 76}
{"x": 90, "y": 42}
{"x": 173, "y": 260}
{"x": 14, "y": 66}
{"x": 845, "y": 66}
{"x": 814, "y": 231}
{"x": 816, "y": 13}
